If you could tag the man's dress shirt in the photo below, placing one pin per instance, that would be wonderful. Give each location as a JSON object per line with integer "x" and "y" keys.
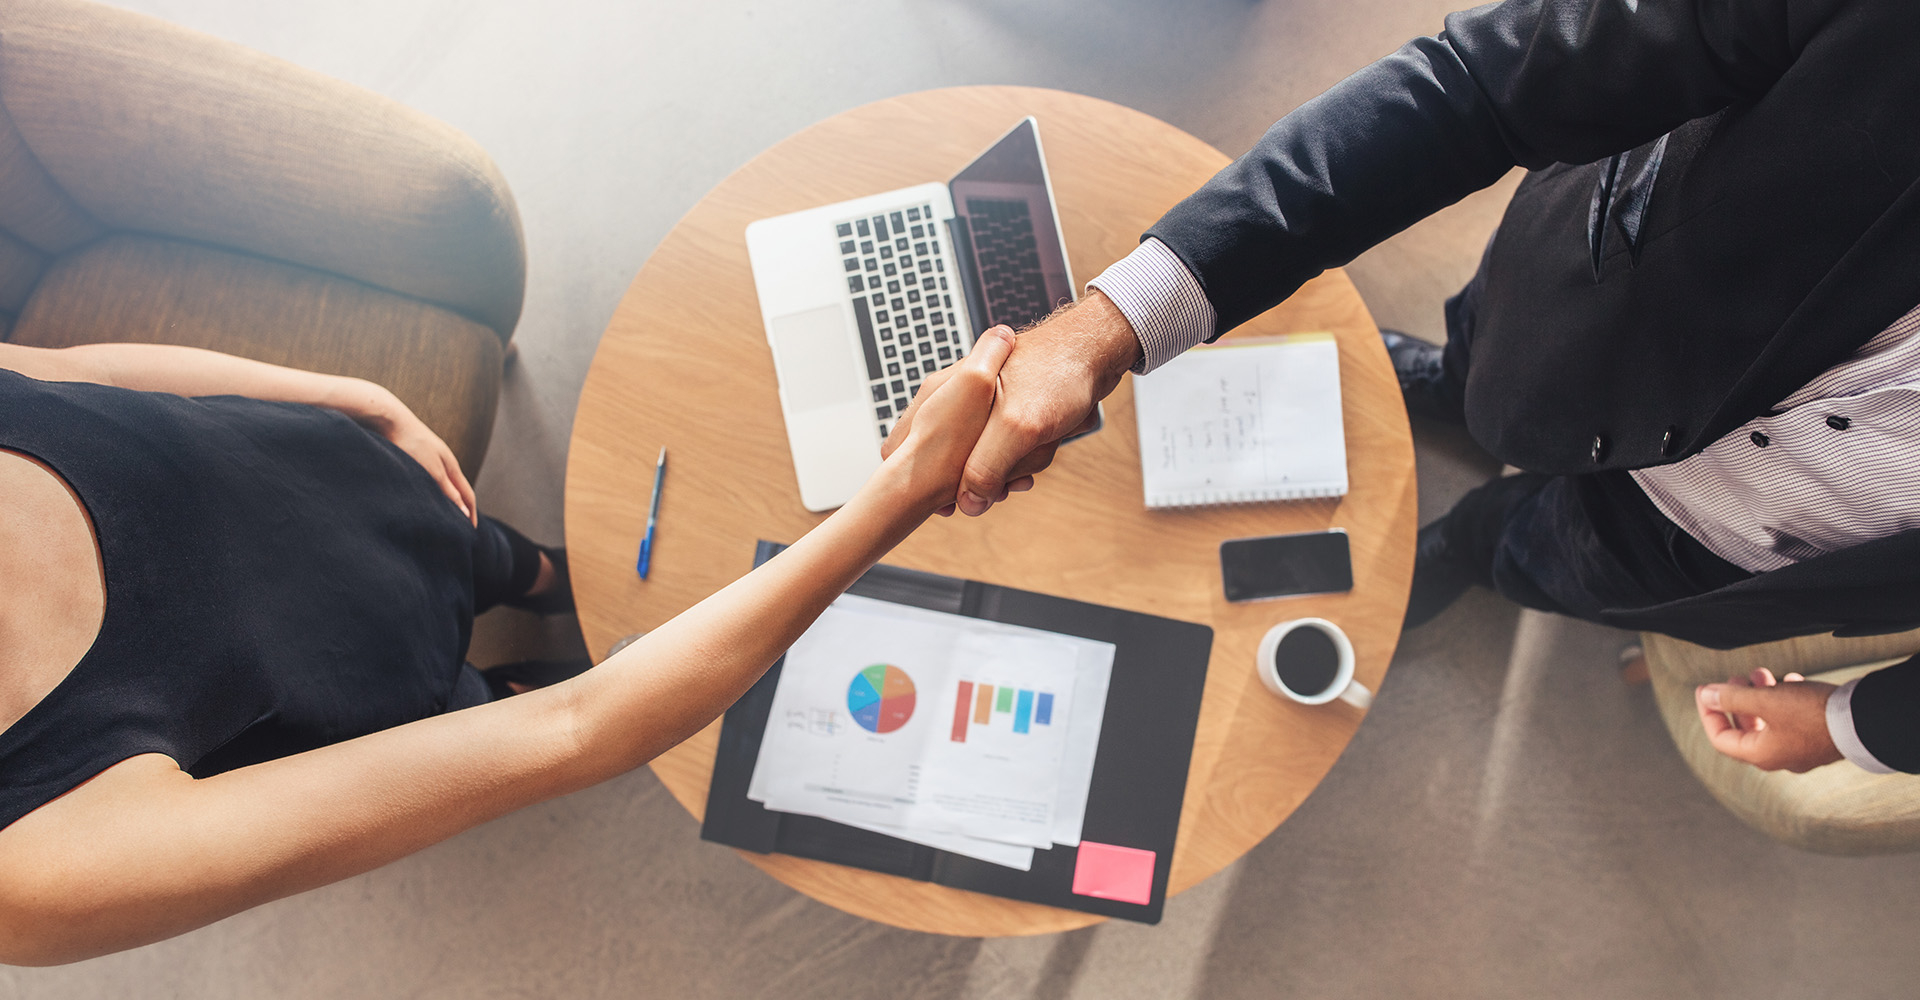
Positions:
{"x": 1834, "y": 464}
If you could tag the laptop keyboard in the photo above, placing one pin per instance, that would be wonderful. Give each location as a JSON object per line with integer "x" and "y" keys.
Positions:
{"x": 1009, "y": 260}
{"x": 897, "y": 279}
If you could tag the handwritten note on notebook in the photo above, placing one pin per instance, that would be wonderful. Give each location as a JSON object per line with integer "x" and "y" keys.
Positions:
{"x": 1243, "y": 422}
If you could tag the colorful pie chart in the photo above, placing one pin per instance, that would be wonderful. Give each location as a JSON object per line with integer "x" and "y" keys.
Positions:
{"x": 881, "y": 698}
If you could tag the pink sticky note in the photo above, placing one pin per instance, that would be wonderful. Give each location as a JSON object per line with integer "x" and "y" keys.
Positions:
{"x": 1109, "y": 872}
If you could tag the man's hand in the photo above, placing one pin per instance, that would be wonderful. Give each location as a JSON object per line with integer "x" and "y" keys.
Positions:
{"x": 1769, "y": 724}
{"x": 1059, "y": 370}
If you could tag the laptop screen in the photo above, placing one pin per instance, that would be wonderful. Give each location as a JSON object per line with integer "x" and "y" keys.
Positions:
{"x": 1005, "y": 227}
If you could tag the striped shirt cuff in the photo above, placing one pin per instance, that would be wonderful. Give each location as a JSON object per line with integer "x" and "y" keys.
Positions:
{"x": 1162, "y": 299}
{"x": 1840, "y": 728}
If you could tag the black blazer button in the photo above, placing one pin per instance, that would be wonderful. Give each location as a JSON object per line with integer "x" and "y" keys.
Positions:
{"x": 1670, "y": 442}
{"x": 1599, "y": 447}
{"x": 1839, "y": 423}
{"x": 1759, "y": 440}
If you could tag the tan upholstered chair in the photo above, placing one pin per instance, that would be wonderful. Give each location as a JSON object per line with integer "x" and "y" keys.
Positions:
{"x": 1836, "y": 809}
{"x": 160, "y": 185}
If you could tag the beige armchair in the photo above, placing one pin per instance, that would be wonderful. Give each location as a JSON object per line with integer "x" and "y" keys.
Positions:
{"x": 1836, "y": 809}
{"x": 160, "y": 185}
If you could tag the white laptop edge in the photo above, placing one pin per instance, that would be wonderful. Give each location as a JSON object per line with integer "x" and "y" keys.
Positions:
{"x": 817, "y": 353}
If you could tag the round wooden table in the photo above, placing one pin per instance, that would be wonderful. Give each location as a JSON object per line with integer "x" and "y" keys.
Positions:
{"x": 685, "y": 364}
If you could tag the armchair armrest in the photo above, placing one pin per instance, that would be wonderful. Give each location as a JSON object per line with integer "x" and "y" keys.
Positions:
{"x": 1688, "y": 664}
{"x": 154, "y": 128}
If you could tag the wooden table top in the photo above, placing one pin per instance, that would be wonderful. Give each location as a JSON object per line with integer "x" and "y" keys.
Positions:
{"x": 685, "y": 363}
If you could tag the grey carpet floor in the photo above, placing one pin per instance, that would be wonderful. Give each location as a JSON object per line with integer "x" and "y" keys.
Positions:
{"x": 1510, "y": 821}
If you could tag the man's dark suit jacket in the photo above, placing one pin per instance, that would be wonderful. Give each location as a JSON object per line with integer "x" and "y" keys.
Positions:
{"x": 1783, "y": 231}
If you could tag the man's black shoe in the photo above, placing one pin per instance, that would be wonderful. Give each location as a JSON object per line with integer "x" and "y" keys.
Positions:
{"x": 1438, "y": 579}
{"x": 1423, "y": 381}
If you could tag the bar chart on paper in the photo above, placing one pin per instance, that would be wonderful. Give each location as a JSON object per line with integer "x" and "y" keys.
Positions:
{"x": 979, "y": 704}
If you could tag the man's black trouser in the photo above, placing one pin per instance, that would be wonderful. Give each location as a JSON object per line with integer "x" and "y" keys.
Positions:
{"x": 1567, "y": 544}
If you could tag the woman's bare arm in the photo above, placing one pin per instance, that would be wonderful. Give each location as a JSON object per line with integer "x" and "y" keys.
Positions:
{"x": 144, "y": 851}
{"x": 190, "y": 371}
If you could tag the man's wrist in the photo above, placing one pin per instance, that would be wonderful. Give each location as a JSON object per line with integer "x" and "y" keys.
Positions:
{"x": 1115, "y": 347}
{"x": 1163, "y": 302}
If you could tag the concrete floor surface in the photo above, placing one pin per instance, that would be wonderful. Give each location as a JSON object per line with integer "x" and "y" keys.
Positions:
{"x": 1510, "y": 821}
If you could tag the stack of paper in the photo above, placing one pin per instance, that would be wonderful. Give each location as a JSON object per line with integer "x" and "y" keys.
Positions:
{"x": 965, "y": 735}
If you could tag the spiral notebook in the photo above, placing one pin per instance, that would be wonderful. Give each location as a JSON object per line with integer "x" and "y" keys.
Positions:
{"x": 1243, "y": 422}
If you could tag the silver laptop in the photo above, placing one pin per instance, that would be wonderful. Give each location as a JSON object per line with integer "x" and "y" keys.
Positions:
{"x": 864, "y": 299}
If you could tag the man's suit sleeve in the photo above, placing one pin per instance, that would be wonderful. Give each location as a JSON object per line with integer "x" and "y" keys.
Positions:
{"x": 1525, "y": 82}
{"x": 1882, "y": 705}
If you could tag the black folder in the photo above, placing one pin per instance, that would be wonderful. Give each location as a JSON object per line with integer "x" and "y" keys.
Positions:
{"x": 1139, "y": 774}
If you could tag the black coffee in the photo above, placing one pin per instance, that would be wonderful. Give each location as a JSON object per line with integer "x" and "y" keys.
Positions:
{"x": 1307, "y": 661}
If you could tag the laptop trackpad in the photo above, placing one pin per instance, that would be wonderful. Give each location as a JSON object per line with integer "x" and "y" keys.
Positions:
{"x": 817, "y": 367}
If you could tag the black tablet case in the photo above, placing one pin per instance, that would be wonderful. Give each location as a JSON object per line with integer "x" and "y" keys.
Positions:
{"x": 1139, "y": 774}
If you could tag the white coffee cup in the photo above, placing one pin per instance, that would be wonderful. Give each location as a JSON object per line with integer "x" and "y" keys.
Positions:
{"x": 1341, "y": 684}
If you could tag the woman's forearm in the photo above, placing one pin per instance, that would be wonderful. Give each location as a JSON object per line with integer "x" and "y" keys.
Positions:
{"x": 684, "y": 673}
{"x": 676, "y": 679}
{"x": 190, "y": 371}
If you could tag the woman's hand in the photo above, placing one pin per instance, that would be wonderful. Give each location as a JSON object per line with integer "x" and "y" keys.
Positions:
{"x": 1769, "y": 724}
{"x": 939, "y": 428}
{"x": 391, "y": 419}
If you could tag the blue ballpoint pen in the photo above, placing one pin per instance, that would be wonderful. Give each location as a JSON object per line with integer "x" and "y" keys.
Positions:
{"x": 653, "y": 515}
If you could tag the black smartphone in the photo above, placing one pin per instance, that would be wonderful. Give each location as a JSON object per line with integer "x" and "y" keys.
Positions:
{"x": 1312, "y": 562}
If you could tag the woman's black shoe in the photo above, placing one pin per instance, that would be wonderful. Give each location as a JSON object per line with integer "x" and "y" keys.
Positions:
{"x": 556, "y": 599}
{"x": 1423, "y": 378}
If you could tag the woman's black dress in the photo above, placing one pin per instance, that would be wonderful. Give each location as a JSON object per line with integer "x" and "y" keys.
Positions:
{"x": 277, "y": 579}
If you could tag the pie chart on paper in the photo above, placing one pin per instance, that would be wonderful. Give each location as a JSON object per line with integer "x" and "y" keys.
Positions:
{"x": 881, "y": 698}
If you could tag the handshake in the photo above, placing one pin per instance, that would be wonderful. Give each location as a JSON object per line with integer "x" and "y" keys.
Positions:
{"x": 983, "y": 428}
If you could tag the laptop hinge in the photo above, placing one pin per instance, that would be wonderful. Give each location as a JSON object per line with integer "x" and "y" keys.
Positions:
{"x": 960, "y": 237}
